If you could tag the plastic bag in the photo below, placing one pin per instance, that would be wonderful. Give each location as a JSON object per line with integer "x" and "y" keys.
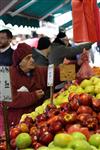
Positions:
{"x": 85, "y": 70}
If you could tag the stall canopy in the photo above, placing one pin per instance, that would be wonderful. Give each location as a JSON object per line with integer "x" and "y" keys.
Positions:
{"x": 30, "y": 12}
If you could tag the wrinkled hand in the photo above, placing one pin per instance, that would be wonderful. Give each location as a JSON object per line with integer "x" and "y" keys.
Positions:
{"x": 39, "y": 93}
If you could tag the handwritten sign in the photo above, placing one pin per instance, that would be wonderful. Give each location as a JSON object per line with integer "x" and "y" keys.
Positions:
{"x": 5, "y": 85}
{"x": 50, "y": 79}
{"x": 67, "y": 72}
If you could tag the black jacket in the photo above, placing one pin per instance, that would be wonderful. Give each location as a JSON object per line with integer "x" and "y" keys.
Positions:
{"x": 6, "y": 57}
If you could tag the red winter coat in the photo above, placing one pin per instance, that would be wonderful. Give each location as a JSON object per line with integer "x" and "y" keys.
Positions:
{"x": 25, "y": 102}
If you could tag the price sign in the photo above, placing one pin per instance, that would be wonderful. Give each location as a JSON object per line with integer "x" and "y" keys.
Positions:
{"x": 50, "y": 79}
{"x": 67, "y": 72}
{"x": 5, "y": 85}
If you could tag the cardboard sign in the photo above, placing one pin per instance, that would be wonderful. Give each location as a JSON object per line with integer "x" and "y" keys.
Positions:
{"x": 50, "y": 78}
{"x": 5, "y": 85}
{"x": 67, "y": 72}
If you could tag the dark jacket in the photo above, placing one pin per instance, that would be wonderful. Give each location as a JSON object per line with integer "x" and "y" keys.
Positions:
{"x": 6, "y": 57}
{"x": 39, "y": 58}
{"x": 58, "y": 52}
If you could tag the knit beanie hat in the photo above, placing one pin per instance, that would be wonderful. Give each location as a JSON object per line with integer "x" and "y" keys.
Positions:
{"x": 61, "y": 35}
{"x": 43, "y": 43}
{"x": 22, "y": 51}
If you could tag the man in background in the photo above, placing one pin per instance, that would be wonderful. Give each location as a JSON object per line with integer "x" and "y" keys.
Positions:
{"x": 6, "y": 51}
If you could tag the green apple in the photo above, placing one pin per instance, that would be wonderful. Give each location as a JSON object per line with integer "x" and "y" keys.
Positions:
{"x": 39, "y": 109}
{"x": 79, "y": 145}
{"x": 51, "y": 144}
{"x": 23, "y": 140}
{"x": 97, "y": 89}
{"x": 95, "y": 140}
{"x": 43, "y": 148}
{"x": 95, "y": 80}
{"x": 67, "y": 148}
{"x": 79, "y": 90}
{"x": 27, "y": 149}
{"x": 85, "y": 83}
{"x": 62, "y": 139}
{"x": 89, "y": 89}
{"x": 98, "y": 96}
{"x": 33, "y": 115}
{"x": 72, "y": 88}
{"x": 93, "y": 147}
{"x": 55, "y": 148}
{"x": 78, "y": 135}
{"x": 62, "y": 98}
{"x": 23, "y": 117}
{"x": 46, "y": 102}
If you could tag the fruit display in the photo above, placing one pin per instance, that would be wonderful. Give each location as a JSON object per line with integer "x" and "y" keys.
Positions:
{"x": 90, "y": 86}
{"x": 71, "y": 123}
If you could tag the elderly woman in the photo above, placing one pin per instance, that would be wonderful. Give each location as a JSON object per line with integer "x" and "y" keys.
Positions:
{"x": 29, "y": 83}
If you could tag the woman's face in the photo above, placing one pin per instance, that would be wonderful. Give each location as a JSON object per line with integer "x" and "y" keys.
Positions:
{"x": 27, "y": 63}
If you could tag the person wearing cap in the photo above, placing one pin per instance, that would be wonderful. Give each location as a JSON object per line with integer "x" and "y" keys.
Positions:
{"x": 6, "y": 51}
{"x": 61, "y": 48}
{"x": 28, "y": 82}
{"x": 40, "y": 54}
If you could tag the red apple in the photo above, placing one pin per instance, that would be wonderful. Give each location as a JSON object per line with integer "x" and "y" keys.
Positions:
{"x": 92, "y": 123}
{"x": 13, "y": 143}
{"x": 74, "y": 128}
{"x": 71, "y": 96}
{"x": 46, "y": 138}
{"x": 29, "y": 121}
{"x": 33, "y": 130}
{"x": 37, "y": 145}
{"x": 85, "y": 109}
{"x": 74, "y": 104}
{"x": 52, "y": 112}
{"x": 64, "y": 107}
{"x": 85, "y": 131}
{"x": 34, "y": 138}
{"x": 96, "y": 104}
{"x": 55, "y": 127}
{"x": 85, "y": 99}
{"x": 98, "y": 116}
{"x": 50, "y": 106}
{"x": 41, "y": 117}
{"x": 14, "y": 132}
{"x": 83, "y": 116}
{"x": 42, "y": 129}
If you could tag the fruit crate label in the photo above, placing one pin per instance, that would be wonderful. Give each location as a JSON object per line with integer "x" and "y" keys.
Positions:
{"x": 50, "y": 77}
{"x": 67, "y": 72}
{"x": 5, "y": 85}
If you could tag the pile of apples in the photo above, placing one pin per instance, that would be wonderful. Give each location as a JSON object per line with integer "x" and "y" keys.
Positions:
{"x": 76, "y": 108}
{"x": 90, "y": 86}
{"x": 80, "y": 114}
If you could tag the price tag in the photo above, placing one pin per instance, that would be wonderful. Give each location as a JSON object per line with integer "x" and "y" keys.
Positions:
{"x": 67, "y": 72}
{"x": 50, "y": 78}
{"x": 5, "y": 85}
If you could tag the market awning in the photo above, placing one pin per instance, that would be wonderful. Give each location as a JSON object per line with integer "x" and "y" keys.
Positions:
{"x": 30, "y": 12}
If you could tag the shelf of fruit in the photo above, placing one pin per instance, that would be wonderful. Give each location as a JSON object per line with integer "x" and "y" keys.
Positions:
{"x": 72, "y": 123}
